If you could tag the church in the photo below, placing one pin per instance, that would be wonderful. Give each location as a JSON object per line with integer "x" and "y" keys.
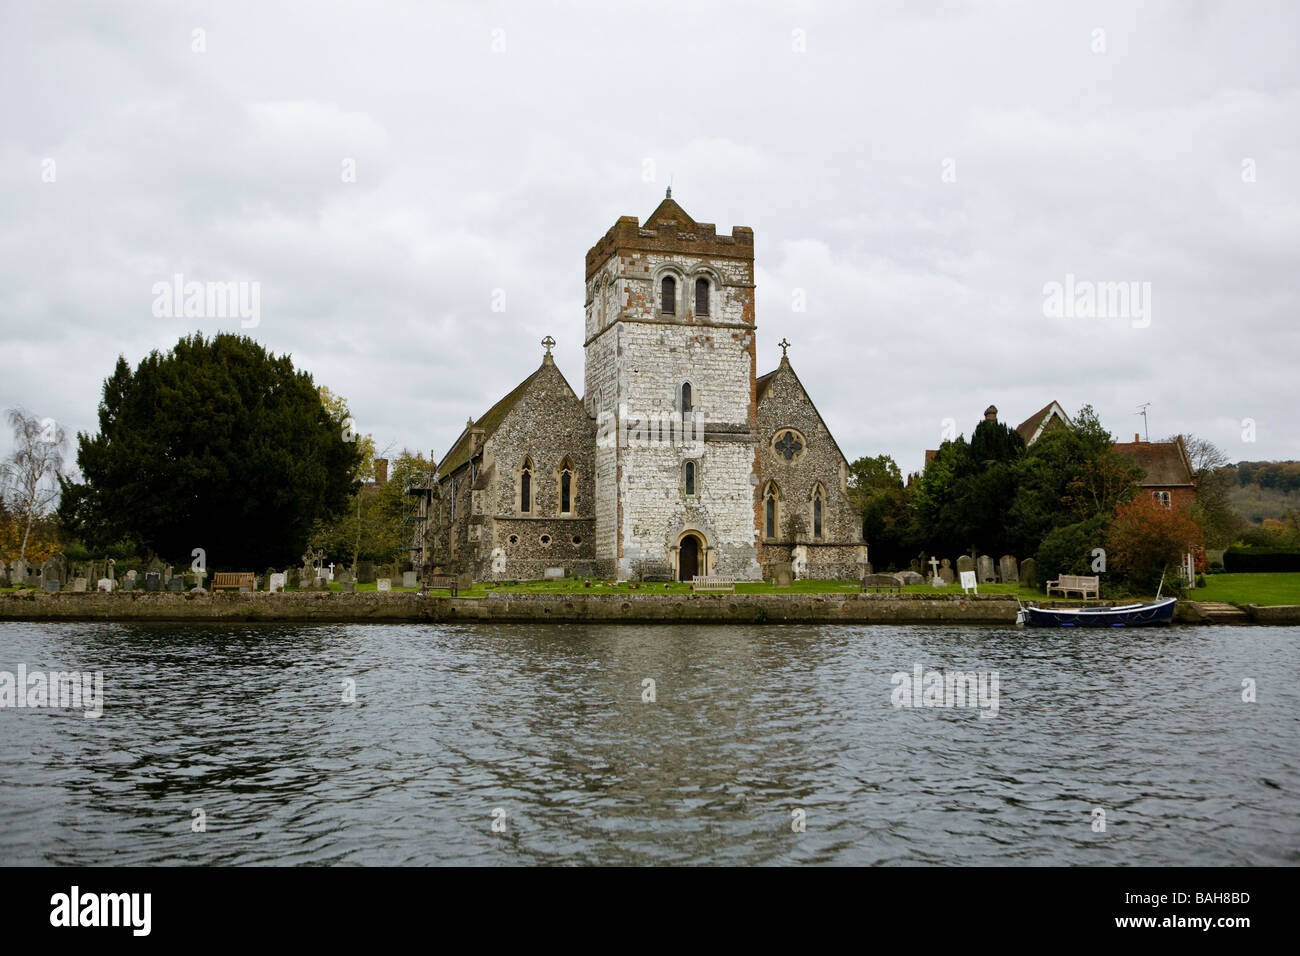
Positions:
{"x": 676, "y": 460}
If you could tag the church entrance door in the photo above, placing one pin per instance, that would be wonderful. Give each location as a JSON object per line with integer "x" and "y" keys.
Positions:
{"x": 688, "y": 559}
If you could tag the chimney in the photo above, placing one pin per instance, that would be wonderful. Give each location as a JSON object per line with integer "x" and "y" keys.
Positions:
{"x": 381, "y": 471}
{"x": 1137, "y": 437}
{"x": 991, "y": 413}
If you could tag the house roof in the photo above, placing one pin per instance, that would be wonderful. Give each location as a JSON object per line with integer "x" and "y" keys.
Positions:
{"x": 1166, "y": 462}
{"x": 489, "y": 422}
{"x": 1033, "y": 426}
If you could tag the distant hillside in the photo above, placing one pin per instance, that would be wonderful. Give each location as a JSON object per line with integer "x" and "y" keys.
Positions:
{"x": 1265, "y": 489}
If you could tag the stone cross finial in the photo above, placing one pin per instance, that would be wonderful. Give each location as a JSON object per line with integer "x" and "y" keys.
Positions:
{"x": 784, "y": 345}
{"x": 549, "y": 343}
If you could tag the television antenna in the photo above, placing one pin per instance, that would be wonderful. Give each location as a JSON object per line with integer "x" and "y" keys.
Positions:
{"x": 1142, "y": 410}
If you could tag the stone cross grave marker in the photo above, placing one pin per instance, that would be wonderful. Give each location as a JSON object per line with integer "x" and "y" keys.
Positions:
{"x": 935, "y": 580}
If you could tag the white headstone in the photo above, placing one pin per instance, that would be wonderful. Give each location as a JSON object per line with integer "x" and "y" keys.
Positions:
{"x": 554, "y": 572}
{"x": 106, "y": 584}
{"x": 78, "y": 584}
{"x": 968, "y": 582}
{"x": 277, "y": 581}
{"x": 383, "y": 584}
{"x": 408, "y": 579}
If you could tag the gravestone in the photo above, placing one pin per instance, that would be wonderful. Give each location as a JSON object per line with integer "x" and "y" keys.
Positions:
{"x": 52, "y": 586}
{"x": 1008, "y": 569}
{"x": 277, "y": 582}
{"x": 914, "y": 566}
{"x": 553, "y": 574}
{"x": 291, "y": 578}
{"x": 49, "y": 570}
{"x": 110, "y": 571}
{"x": 383, "y": 584}
{"x": 965, "y": 563}
{"x": 79, "y": 585}
{"x": 782, "y": 574}
{"x": 167, "y": 574}
{"x": 175, "y": 585}
{"x": 935, "y": 580}
{"x": 946, "y": 573}
{"x": 985, "y": 571}
{"x": 408, "y": 579}
{"x": 365, "y": 572}
{"x": 911, "y": 577}
{"x": 130, "y": 580}
{"x": 105, "y": 584}
{"x": 18, "y": 572}
{"x": 349, "y": 587}
{"x": 153, "y": 581}
{"x": 1029, "y": 573}
{"x": 968, "y": 582}
{"x": 4, "y": 574}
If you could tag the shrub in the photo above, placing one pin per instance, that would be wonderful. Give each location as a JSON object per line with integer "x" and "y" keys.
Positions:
{"x": 1261, "y": 559}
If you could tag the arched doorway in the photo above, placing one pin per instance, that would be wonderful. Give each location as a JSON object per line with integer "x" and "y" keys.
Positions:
{"x": 688, "y": 558}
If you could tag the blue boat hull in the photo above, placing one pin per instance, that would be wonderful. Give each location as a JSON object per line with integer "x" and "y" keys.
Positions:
{"x": 1134, "y": 615}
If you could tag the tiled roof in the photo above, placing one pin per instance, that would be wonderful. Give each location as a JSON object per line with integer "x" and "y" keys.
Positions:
{"x": 1166, "y": 463}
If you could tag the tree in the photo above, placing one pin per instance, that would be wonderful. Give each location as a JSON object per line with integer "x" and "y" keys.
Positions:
{"x": 374, "y": 526}
{"x": 1146, "y": 537}
{"x": 1214, "y": 481}
{"x": 215, "y": 445}
{"x": 876, "y": 488}
{"x": 1070, "y": 475}
{"x": 938, "y": 499}
{"x": 30, "y": 476}
{"x": 993, "y": 441}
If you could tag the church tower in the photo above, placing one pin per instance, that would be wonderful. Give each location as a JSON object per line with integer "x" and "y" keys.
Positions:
{"x": 670, "y": 380}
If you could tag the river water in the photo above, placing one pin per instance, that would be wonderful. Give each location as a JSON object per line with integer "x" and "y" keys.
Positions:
{"x": 492, "y": 744}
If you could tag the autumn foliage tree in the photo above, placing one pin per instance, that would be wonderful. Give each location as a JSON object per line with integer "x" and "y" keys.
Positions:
{"x": 1145, "y": 538}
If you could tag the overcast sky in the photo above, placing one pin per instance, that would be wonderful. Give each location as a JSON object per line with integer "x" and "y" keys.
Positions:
{"x": 921, "y": 171}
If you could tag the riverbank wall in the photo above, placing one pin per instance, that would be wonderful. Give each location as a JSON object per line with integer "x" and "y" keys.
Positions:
{"x": 504, "y": 606}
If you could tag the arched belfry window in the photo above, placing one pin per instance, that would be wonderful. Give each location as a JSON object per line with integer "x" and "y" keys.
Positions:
{"x": 526, "y": 486}
{"x": 771, "y": 500}
{"x": 688, "y": 405}
{"x": 701, "y": 296}
{"x": 688, "y": 477}
{"x": 668, "y": 296}
{"x": 566, "y": 486}
{"x": 816, "y": 505}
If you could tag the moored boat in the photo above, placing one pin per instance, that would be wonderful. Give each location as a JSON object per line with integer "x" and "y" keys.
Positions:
{"x": 1159, "y": 611}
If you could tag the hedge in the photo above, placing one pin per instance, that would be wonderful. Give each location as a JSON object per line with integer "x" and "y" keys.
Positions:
{"x": 1261, "y": 559}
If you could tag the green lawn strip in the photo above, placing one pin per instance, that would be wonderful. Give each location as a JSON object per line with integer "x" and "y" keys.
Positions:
{"x": 1263, "y": 588}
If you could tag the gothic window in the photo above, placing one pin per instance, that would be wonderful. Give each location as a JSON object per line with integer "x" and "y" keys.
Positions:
{"x": 526, "y": 487}
{"x": 687, "y": 406}
{"x": 689, "y": 477}
{"x": 771, "y": 497}
{"x": 566, "y": 486}
{"x": 702, "y": 297}
{"x": 668, "y": 296}
{"x": 1163, "y": 498}
{"x": 816, "y": 504}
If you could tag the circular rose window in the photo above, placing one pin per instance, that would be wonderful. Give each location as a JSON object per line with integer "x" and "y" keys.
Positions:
{"x": 789, "y": 445}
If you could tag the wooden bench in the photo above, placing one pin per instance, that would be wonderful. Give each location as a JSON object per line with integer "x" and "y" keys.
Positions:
{"x": 442, "y": 582}
{"x": 881, "y": 582}
{"x": 713, "y": 582}
{"x": 1075, "y": 582}
{"x": 232, "y": 580}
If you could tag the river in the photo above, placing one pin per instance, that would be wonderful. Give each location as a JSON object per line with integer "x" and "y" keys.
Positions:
{"x": 499, "y": 744}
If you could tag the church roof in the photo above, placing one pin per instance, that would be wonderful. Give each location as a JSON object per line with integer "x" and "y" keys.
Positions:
{"x": 669, "y": 211}
{"x": 762, "y": 383}
{"x": 489, "y": 422}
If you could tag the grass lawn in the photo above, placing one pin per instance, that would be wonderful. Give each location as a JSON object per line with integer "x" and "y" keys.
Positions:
{"x": 1264, "y": 587}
